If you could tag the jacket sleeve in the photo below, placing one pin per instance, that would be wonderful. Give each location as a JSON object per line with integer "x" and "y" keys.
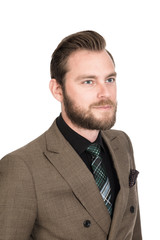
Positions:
{"x": 17, "y": 199}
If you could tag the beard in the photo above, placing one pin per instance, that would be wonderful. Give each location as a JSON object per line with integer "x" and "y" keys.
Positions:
{"x": 85, "y": 118}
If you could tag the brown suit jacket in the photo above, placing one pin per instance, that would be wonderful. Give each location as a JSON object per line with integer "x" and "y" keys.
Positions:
{"x": 48, "y": 193}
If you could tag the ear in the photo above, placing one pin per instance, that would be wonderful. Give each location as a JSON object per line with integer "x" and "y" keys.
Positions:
{"x": 56, "y": 89}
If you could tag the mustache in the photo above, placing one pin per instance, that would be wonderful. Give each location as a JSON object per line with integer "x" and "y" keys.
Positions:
{"x": 103, "y": 103}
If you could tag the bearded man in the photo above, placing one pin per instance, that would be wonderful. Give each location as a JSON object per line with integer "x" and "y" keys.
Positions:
{"x": 78, "y": 179}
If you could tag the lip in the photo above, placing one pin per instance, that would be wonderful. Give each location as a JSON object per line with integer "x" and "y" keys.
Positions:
{"x": 103, "y": 107}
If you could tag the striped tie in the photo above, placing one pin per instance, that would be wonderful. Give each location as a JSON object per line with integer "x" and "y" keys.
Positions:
{"x": 99, "y": 174}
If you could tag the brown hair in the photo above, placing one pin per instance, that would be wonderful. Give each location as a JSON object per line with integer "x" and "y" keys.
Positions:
{"x": 88, "y": 40}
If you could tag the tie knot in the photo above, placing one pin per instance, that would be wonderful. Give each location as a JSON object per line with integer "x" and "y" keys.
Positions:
{"x": 94, "y": 149}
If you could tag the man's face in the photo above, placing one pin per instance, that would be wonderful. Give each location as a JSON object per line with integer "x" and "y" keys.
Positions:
{"x": 89, "y": 95}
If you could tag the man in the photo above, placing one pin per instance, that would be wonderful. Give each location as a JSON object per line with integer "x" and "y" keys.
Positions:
{"x": 77, "y": 180}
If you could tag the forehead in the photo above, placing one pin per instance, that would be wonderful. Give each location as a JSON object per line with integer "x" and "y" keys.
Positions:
{"x": 89, "y": 62}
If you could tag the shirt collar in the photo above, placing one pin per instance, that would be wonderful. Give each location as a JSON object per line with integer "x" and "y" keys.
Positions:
{"x": 78, "y": 142}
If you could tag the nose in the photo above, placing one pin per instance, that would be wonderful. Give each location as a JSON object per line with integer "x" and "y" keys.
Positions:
{"x": 103, "y": 91}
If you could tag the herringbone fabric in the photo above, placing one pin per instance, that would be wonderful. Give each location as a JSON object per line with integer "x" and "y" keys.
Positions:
{"x": 100, "y": 176}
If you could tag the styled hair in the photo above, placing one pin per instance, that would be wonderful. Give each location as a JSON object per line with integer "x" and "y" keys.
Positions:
{"x": 85, "y": 40}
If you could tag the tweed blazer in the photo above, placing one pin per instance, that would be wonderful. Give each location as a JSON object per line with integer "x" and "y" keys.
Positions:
{"x": 48, "y": 193}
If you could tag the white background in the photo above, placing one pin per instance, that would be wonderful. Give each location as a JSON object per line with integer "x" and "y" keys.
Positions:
{"x": 30, "y": 31}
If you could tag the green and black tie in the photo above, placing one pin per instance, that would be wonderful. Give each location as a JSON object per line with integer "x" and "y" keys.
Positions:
{"x": 100, "y": 176}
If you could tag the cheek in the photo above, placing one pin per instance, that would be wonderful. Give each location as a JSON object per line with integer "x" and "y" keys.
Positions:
{"x": 114, "y": 94}
{"x": 72, "y": 91}
{"x": 87, "y": 99}
{"x": 82, "y": 96}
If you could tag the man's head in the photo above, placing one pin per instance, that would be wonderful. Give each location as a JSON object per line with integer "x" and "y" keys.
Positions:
{"x": 83, "y": 80}
{"x": 85, "y": 40}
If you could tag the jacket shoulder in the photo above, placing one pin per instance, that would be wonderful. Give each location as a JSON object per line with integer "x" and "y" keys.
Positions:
{"x": 29, "y": 150}
{"x": 34, "y": 150}
{"x": 115, "y": 133}
{"x": 123, "y": 138}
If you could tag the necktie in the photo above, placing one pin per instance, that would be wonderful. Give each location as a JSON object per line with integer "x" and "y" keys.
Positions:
{"x": 100, "y": 176}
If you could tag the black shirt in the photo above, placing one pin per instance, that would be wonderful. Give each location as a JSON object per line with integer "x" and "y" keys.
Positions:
{"x": 80, "y": 145}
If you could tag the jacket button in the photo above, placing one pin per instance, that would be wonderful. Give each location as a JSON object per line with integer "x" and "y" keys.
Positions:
{"x": 132, "y": 209}
{"x": 87, "y": 223}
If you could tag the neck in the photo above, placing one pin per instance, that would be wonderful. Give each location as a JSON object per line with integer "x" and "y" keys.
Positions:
{"x": 90, "y": 135}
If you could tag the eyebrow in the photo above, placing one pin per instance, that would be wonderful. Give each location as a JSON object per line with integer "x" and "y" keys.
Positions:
{"x": 81, "y": 77}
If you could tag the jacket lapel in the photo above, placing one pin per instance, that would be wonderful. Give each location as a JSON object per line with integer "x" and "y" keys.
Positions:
{"x": 121, "y": 164}
{"x": 76, "y": 174}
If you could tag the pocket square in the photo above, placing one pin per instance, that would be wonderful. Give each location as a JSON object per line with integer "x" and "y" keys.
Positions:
{"x": 132, "y": 177}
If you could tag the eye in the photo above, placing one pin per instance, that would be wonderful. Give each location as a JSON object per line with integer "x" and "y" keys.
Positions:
{"x": 88, "y": 82}
{"x": 110, "y": 80}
